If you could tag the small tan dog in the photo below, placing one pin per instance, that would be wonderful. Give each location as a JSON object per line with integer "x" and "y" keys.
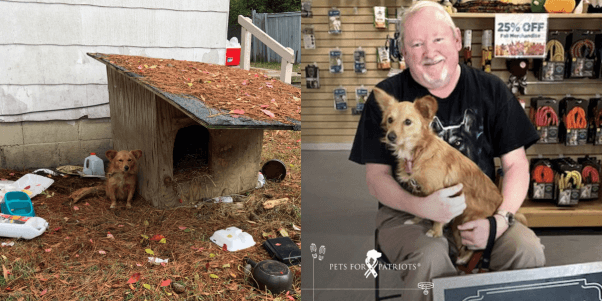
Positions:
{"x": 429, "y": 163}
{"x": 122, "y": 177}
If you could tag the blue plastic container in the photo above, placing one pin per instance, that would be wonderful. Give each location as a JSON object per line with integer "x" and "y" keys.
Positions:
{"x": 17, "y": 203}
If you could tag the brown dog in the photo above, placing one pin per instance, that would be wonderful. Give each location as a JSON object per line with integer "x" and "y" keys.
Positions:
{"x": 428, "y": 163}
{"x": 121, "y": 178}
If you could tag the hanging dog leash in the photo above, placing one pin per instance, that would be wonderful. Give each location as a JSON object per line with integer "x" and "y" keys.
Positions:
{"x": 482, "y": 257}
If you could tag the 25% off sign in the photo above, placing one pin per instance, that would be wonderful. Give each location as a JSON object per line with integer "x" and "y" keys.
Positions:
{"x": 521, "y": 35}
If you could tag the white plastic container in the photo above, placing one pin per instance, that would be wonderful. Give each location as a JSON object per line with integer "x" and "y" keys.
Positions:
{"x": 233, "y": 238}
{"x": 93, "y": 165}
{"x": 21, "y": 226}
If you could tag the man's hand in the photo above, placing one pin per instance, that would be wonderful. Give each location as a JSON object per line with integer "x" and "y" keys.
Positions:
{"x": 476, "y": 233}
{"x": 442, "y": 205}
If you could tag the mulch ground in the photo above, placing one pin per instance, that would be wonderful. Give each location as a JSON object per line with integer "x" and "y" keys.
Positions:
{"x": 239, "y": 92}
{"x": 90, "y": 252}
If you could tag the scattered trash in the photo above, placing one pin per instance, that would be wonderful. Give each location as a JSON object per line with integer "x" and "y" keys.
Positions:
{"x": 260, "y": 181}
{"x": 33, "y": 184}
{"x": 17, "y": 203}
{"x": 8, "y": 244}
{"x": 21, "y": 226}
{"x": 222, "y": 199}
{"x": 272, "y": 275}
{"x": 273, "y": 203}
{"x": 157, "y": 260}
{"x": 233, "y": 238}
{"x": 274, "y": 170}
{"x": 46, "y": 171}
{"x": 7, "y": 186}
{"x": 94, "y": 166}
{"x": 296, "y": 228}
{"x": 70, "y": 170}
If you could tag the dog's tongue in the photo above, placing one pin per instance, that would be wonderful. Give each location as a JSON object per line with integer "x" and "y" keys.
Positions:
{"x": 408, "y": 166}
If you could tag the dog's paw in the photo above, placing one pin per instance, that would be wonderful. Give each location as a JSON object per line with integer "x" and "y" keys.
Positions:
{"x": 461, "y": 261}
{"x": 433, "y": 233}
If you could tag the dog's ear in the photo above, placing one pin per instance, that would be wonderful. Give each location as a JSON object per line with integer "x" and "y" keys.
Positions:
{"x": 427, "y": 106}
{"x": 137, "y": 153}
{"x": 110, "y": 154}
{"x": 436, "y": 125}
{"x": 383, "y": 99}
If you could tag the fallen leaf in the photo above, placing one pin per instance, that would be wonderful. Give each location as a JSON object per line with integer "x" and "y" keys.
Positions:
{"x": 149, "y": 251}
{"x": 140, "y": 67}
{"x": 109, "y": 235}
{"x": 48, "y": 250}
{"x": 226, "y": 265}
{"x": 264, "y": 106}
{"x": 166, "y": 282}
{"x": 102, "y": 252}
{"x": 211, "y": 256}
{"x": 268, "y": 113}
{"x": 163, "y": 240}
{"x": 213, "y": 276}
{"x": 75, "y": 208}
{"x": 4, "y": 272}
{"x": 134, "y": 278}
{"x": 144, "y": 236}
{"x": 225, "y": 247}
{"x": 182, "y": 228}
{"x": 43, "y": 292}
{"x": 147, "y": 286}
{"x": 239, "y": 112}
{"x": 157, "y": 237}
{"x": 138, "y": 265}
{"x": 27, "y": 187}
{"x": 190, "y": 84}
{"x": 146, "y": 223}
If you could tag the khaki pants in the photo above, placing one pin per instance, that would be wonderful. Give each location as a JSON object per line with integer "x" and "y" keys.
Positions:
{"x": 517, "y": 248}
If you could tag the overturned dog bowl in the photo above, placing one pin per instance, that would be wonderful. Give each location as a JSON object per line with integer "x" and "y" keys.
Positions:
{"x": 274, "y": 170}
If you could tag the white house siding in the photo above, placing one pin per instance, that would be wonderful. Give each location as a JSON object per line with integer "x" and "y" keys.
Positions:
{"x": 46, "y": 76}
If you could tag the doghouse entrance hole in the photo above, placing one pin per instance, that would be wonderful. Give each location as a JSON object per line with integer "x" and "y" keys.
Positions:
{"x": 191, "y": 152}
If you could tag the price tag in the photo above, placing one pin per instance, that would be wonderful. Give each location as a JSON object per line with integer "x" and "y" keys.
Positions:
{"x": 520, "y": 35}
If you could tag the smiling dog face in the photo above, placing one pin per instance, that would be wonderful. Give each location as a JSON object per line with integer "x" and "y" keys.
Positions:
{"x": 124, "y": 161}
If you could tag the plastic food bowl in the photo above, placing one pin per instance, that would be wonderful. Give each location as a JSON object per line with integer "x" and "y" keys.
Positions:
{"x": 17, "y": 203}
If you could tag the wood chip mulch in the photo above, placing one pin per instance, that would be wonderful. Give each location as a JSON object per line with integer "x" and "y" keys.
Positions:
{"x": 239, "y": 92}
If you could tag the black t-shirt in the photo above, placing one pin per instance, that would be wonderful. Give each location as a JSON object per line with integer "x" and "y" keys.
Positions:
{"x": 481, "y": 118}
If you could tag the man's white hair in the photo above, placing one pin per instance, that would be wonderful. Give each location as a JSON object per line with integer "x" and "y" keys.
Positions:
{"x": 416, "y": 7}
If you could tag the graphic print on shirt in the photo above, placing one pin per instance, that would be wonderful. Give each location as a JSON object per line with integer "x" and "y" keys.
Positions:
{"x": 463, "y": 136}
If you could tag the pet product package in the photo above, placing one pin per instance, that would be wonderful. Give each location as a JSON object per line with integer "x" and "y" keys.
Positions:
{"x": 382, "y": 58}
{"x": 590, "y": 177}
{"x": 575, "y": 120}
{"x": 359, "y": 56}
{"x": 544, "y": 115}
{"x": 336, "y": 61}
{"x": 334, "y": 21}
{"x": 309, "y": 38}
{"x": 568, "y": 181}
{"x": 306, "y": 9}
{"x": 595, "y": 120}
{"x": 312, "y": 76}
{"x": 542, "y": 180}
{"x": 552, "y": 66}
{"x": 340, "y": 98}
{"x": 380, "y": 17}
{"x": 582, "y": 54}
{"x": 361, "y": 95}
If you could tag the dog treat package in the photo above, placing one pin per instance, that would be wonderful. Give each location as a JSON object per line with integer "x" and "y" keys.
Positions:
{"x": 380, "y": 17}
{"x": 309, "y": 38}
{"x": 582, "y": 54}
{"x": 336, "y": 61}
{"x": 595, "y": 121}
{"x": 306, "y": 9}
{"x": 312, "y": 76}
{"x": 361, "y": 95}
{"x": 544, "y": 115}
{"x": 334, "y": 21}
{"x": 359, "y": 57}
{"x": 568, "y": 181}
{"x": 340, "y": 98}
{"x": 590, "y": 177}
{"x": 383, "y": 61}
{"x": 575, "y": 120}
{"x": 542, "y": 180}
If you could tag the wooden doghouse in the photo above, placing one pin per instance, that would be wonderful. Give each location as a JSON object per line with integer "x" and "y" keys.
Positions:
{"x": 168, "y": 128}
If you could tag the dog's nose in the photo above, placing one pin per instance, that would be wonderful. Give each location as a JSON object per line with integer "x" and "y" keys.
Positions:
{"x": 126, "y": 168}
{"x": 391, "y": 136}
